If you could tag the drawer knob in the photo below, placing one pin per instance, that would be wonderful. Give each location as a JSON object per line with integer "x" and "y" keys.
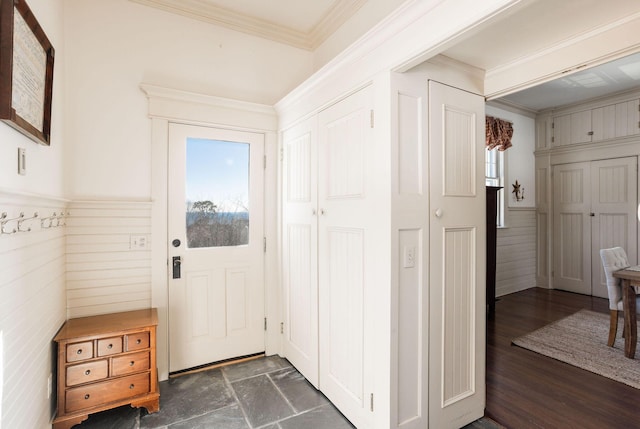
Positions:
{"x": 87, "y": 396}
{"x": 79, "y": 351}
{"x": 138, "y": 341}
{"x": 87, "y": 372}
{"x": 132, "y": 363}
{"x": 132, "y": 386}
{"x": 110, "y": 346}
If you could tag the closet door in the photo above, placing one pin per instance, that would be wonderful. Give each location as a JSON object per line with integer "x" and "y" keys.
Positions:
{"x": 347, "y": 271}
{"x": 457, "y": 257}
{"x": 572, "y": 227}
{"x": 614, "y": 221}
{"x": 300, "y": 248}
{"x": 594, "y": 208}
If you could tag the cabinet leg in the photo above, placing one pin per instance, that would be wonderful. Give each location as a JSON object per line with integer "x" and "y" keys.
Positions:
{"x": 152, "y": 405}
{"x": 70, "y": 422}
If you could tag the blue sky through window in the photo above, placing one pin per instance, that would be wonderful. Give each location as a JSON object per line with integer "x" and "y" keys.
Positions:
{"x": 218, "y": 171}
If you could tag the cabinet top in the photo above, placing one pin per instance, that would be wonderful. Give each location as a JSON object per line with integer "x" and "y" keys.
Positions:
{"x": 107, "y": 323}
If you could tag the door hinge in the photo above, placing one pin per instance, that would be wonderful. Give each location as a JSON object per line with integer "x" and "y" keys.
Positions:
{"x": 265, "y": 323}
{"x": 371, "y": 400}
{"x": 282, "y": 327}
{"x": 281, "y": 154}
{"x": 372, "y": 118}
{"x": 553, "y": 125}
{"x": 264, "y": 162}
{"x": 553, "y": 139}
{"x": 264, "y": 244}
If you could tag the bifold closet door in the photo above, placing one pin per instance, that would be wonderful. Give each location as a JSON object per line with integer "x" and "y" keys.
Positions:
{"x": 300, "y": 247}
{"x": 457, "y": 257}
{"x": 347, "y": 220}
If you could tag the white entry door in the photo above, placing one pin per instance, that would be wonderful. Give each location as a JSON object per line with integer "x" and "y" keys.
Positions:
{"x": 216, "y": 259}
{"x": 457, "y": 257}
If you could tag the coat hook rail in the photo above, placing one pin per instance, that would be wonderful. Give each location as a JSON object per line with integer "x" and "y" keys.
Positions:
{"x": 23, "y": 219}
{"x": 4, "y": 220}
{"x": 21, "y": 223}
{"x": 47, "y": 222}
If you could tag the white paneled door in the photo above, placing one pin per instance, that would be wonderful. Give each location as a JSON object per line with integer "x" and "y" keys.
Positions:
{"x": 348, "y": 272}
{"x": 457, "y": 257}
{"x": 216, "y": 257}
{"x": 594, "y": 208}
{"x": 300, "y": 247}
{"x": 614, "y": 222}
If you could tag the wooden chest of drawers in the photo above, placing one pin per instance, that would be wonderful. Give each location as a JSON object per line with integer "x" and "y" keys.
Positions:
{"x": 105, "y": 362}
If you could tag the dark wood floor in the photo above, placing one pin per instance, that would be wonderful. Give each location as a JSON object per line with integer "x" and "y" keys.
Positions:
{"x": 528, "y": 390}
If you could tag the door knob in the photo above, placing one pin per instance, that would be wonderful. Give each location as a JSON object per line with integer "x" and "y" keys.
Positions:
{"x": 438, "y": 213}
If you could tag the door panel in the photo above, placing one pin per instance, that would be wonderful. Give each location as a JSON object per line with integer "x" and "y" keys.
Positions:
{"x": 572, "y": 237}
{"x": 594, "y": 208}
{"x": 457, "y": 274}
{"x": 216, "y": 287}
{"x": 347, "y": 269}
{"x": 615, "y": 223}
{"x": 300, "y": 244}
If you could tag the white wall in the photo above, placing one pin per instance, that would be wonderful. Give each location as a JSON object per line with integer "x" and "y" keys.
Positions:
{"x": 32, "y": 264}
{"x": 519, "y": 159}
{"x": 115, "y": 45}
{"x": 45, "y": 169}
{"x": 516, "y": 243}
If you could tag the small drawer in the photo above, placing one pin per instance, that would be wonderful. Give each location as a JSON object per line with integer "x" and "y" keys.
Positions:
{"x": 86, "y": 372}
{"x": 79, "y": 351}
{"x": 129, "y": 364}
{"x": 109, "y": 346}
{"x": 137, "y": 341}
{"x": 104, "y": 392}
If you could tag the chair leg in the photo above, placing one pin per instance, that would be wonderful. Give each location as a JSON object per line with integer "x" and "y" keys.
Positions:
{"x": 613, "y": 327}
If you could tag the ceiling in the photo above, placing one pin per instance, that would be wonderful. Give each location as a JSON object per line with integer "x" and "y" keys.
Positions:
{"x": 528, "y": 28}
{"x": 534, "y": 26}
{"x": 616, "y": 76}
{"x": 302, "y": 24}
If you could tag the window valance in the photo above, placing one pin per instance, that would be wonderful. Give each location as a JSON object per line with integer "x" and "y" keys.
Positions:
{"x": 498, "y": 133}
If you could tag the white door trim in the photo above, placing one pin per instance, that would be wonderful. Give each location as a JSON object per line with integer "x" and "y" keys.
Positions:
{"x": 169, "y": 105}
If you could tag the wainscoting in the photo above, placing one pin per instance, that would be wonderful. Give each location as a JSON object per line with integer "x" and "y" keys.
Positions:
{"x": 516, "y": 252}
{"x": 106, "y": 272}
{"x": 32, "y": 306}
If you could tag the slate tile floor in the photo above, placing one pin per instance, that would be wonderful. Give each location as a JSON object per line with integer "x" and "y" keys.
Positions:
{"x": 266, "y": 393}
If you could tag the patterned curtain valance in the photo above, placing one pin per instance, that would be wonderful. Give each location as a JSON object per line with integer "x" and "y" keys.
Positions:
{"x": 498, "y": 133}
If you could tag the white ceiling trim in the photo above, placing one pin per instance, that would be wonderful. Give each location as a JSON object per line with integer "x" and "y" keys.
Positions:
{"x": 338, "y": 14}
{"x": 594, "y": 43}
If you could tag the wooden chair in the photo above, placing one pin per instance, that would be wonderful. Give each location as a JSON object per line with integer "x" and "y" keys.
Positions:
{"x": 614, "y": 259}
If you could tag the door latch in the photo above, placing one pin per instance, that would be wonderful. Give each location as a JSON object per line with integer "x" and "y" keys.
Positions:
{"x": 177, "y": 261}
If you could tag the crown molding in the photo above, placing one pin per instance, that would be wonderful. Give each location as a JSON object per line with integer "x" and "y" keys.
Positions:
{"x": 339, "y": 12}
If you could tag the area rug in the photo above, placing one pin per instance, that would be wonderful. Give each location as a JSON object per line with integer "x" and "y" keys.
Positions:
{"x": 581, "y": 340}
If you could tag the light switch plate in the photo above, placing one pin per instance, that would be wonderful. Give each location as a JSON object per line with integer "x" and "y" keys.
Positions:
{"x": 22, "y": 161}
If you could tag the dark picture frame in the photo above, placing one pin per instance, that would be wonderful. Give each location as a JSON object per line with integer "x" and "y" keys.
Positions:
{"x": 26, "y": 72}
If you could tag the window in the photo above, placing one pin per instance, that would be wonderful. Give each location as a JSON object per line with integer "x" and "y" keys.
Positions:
{"x": 494, "y": 176}
{"x": 217, "y": 189}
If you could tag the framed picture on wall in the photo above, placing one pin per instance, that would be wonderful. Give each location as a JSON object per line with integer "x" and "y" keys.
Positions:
{"x": 26, "y": 72}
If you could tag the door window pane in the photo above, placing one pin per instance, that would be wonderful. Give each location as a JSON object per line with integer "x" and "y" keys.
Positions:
{"x": 217, "y": 193}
